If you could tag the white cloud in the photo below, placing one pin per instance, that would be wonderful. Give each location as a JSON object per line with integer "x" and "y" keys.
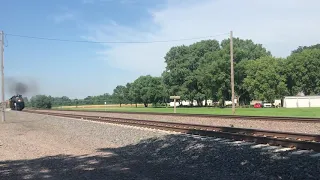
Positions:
{"x": 106, "y": 1}
{"x": 280, "y": 26}
{"x": 64, "y": 17}
{"x": 87, "y": 1}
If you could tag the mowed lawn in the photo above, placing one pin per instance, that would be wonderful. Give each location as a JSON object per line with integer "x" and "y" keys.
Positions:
{"x": 290, "y": 112}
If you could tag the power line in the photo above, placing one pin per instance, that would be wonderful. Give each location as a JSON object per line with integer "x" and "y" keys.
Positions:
{"x": 109, "y": 42}
{"x": 6, "y": 44}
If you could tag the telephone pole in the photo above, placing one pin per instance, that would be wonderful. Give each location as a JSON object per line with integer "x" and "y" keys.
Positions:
{"x": 232, "y": 73}
{"x": 2, "y": 75}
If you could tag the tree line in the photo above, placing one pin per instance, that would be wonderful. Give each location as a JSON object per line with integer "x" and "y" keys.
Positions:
{"x": 201, "y": 72}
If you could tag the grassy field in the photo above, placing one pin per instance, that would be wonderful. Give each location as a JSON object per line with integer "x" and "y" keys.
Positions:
{"x": 290, "y": 112}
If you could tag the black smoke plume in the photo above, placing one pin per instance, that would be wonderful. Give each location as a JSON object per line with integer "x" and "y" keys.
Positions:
{"x": 22, "y": 86}
{"x": 19, "y": 88}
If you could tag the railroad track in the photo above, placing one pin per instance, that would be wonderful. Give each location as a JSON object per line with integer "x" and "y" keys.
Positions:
{"x": 264, "y": 118}
{"x": 285, "y": 139}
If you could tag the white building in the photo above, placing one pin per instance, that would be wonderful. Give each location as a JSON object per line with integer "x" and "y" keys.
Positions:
{"x": 301, "y": 101}
{"x": 229, "y": 103}
{"x": 188, "y": 103}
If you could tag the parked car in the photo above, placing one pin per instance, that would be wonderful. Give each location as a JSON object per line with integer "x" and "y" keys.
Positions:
{"x": 267, "y": 104}
{"x": 257, "y": 105}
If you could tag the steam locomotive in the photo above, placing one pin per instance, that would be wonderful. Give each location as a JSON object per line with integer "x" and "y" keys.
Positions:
{"x": 16, "y": 102}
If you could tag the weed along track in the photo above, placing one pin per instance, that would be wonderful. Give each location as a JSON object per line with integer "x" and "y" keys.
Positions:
{"x": 285, "y": 139}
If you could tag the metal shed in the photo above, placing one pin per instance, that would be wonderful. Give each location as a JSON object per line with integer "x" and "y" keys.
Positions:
{"x": 301, "y": 101}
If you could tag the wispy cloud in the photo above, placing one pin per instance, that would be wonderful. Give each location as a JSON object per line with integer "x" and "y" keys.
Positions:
{"x": 95, "y": 1}
{"x": 87, "y": 1}
{"x": 64, "y": 17}
{"x": 281, "y": 26}
{"x": 128, "y": 1}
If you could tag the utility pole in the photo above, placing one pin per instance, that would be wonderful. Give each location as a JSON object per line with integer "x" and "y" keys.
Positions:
{"x": 2, "y": 76}
{"x": 232, "y": 73}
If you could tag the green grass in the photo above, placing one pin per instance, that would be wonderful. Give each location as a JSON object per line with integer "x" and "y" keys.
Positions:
{"x": 294, "y": 112}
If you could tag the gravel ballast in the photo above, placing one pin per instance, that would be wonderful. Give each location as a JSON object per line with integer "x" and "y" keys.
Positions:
{"x": 299, "y": 127}
{"x": 34, "y": 146}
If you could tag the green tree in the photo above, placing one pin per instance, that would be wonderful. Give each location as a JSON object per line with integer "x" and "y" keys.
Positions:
{"x": 302, "y": 71}
{"x": 147, "y": 89}
{"x": 265, "y": 79}
{"x": 127, "y": 94}
{"x": 243, "y": 50}
{"x": 182, "y": 75}
{"x": 26, "y": 101}
{"x": 301, "y": 48}
{"x": 119, "y": 94}
{"x": 214, "y": 77}
{"x": 41, "y": 102}
{"x": 202, "y": 70}
{"x": 156, "y": 92}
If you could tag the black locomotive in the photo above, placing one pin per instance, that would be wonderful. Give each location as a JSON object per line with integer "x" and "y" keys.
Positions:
{"x": 16, "y": 102}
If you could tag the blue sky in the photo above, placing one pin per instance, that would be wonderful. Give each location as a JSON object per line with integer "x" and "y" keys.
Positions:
{"x": 81, "y": 69}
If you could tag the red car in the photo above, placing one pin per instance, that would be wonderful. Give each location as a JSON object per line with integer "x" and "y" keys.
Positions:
{"x": 257, "y": 105}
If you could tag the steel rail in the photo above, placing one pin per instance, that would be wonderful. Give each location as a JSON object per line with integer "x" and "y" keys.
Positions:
{"x": 286, "y": 139}
{"x": 264, "y": 118}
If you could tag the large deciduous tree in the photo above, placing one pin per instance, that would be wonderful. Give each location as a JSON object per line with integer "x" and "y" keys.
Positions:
{"x": 202, "y": 70}
{"x": 265, "y": 79}
{"x": 303, "y": 72}
{"x": 147, "y": 89}
{"x": 182, "y": 75}
{"x": 301, "y": 48}
{"x": 243, "y": 50}
{"x": 119, "y": 94}
{"x": 127, "y": 95}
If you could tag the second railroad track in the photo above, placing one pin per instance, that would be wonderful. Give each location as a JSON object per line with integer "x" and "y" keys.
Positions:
{"x": 263, "y": 118}
{"x": 285, "y": 139}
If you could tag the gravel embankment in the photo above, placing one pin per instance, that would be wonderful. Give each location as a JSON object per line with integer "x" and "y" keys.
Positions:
{"x": 65, "y": 134}
{"x": 34, "y": 146}
{"x": 300, "y": 127}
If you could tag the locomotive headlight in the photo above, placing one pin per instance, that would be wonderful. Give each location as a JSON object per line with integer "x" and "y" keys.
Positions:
{"x": 19, "y": 100}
